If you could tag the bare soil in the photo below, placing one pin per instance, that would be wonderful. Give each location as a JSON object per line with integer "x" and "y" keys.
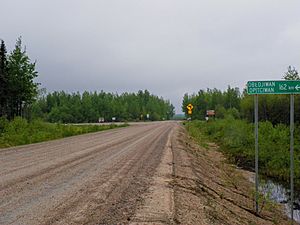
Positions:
{"x": 210, "y": 191}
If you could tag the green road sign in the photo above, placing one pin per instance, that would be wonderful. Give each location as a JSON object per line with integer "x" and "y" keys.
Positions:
{"x": 273, "y": 87}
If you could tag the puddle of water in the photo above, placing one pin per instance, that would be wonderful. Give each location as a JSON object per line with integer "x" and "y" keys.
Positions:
{"x": 280, "y": 194}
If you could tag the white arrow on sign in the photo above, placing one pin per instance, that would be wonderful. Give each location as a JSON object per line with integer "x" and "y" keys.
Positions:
{"x": 297, "y": 87}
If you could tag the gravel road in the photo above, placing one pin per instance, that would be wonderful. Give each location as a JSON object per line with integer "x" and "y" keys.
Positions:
{"x": 145, "y": 174}
{"x": 97, "y": 178}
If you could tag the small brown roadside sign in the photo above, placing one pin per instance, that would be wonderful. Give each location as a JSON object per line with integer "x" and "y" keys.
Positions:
{"x": 210, "y": 112}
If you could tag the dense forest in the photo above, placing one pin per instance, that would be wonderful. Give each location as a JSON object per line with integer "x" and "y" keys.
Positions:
{"x": 240, "y": 105}
{"x": 90, "y": 106}
{"x": 19, "y": 96}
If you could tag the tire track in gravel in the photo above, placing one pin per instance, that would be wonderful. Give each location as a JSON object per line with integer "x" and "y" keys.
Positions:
{"x": 117, "y": 198}
{"x": 89, "y": 179}
{"x": 61, "y": 163}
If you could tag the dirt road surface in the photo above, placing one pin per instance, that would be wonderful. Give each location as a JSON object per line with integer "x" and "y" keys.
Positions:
{"x": 151, "y": 173}
{"x": 97, "y": 178}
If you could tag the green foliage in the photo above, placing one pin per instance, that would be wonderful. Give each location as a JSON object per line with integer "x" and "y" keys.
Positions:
{"x": 291, "y": 74}
{"x": 213, "y": 99}
{"x": 193, "y": 129}
{"x": 20, "y": 132}
{"x": 233, "y": 113}
{"x": 3, "y": 79}
{"x": 17, "y": 88}
{"x": 220, "y": 111}
{"x": 230, "y": 103}
{"x": 237, "y": 140}
{"x": 3, "y": 124}
{"x": 88, "y": 107}
{"x": 273, "y": 108}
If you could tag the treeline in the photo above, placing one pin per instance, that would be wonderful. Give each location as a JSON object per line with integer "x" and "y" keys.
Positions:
{"x": 273, "y": 108}
{"x": 19, "y": 97}
{"x": 17, "y": 88}
{"x": 90, "y": 106}
{"x": 233, "y": 103}
{"x": 223, "y": 102}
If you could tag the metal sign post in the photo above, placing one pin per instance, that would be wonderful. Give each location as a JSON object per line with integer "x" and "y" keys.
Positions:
{"x": 292, "y": 154}
{"x": 256, "y": 150}
{"x": 291, "y": 87}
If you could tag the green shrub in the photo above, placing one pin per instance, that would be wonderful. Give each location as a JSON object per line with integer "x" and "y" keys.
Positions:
{"x": 20, "y": 131}
{"x": 236, "y": 138}
{"x": 3, "y": 124}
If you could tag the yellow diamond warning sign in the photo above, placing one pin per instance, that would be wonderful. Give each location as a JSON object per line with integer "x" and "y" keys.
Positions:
{"x": 190, "y": 108}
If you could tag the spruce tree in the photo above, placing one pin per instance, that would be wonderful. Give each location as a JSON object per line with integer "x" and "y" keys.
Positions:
{"x": 3, "y": 79}
{"x": 291, "y": 74}
{"x": 22, "y": 88}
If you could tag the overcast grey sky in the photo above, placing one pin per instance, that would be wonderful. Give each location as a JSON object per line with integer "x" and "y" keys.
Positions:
{"x": 169, "y": 47}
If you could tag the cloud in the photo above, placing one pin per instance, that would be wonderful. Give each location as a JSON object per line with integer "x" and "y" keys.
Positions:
{"x": 167, "y": 46}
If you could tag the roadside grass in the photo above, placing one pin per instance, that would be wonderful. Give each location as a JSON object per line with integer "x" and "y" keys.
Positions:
{"x": 193, "y": 129}
{"x": 21, "y": 132}
{"x": 236, "y": 140}
{"x": 227, "y": 182}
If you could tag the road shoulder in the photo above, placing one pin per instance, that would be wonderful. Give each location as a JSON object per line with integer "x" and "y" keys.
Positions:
{"x": 158, "y": 204}
{"x": 208, "y": 190}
